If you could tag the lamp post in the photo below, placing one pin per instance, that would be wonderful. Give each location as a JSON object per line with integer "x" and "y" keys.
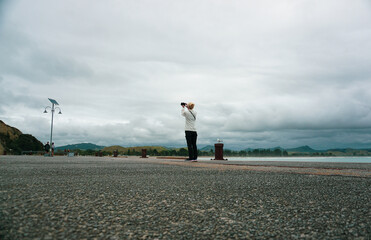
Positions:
{"x": 51, "y": 127}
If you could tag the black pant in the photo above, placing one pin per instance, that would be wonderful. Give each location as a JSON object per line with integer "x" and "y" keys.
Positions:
{"x": 191, "y": 138}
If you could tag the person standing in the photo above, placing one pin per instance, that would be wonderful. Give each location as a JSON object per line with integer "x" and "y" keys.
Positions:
{"x": 47, "y": 148}
{"x": 190, "y": 130}
{"x": 53, "y": 149}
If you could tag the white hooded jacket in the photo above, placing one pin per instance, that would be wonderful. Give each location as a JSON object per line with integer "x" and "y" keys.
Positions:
{"x": 190, "y": 120}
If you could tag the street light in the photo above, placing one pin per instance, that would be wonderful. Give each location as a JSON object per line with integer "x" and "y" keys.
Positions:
{"x": 52, "y": 109}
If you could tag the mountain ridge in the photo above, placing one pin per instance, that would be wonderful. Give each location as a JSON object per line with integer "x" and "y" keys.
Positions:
{"x": 81, "y": 146}
{"x": 12, "y": 140}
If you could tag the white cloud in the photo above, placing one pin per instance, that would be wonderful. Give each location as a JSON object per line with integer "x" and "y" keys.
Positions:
{"x": 261, "y": 73}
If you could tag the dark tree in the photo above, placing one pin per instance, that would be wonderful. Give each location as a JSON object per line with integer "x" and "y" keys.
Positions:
{"x": 26, "y": 142}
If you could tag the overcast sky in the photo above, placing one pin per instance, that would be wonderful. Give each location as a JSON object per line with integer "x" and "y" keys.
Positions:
{"x": 261, "y": 73}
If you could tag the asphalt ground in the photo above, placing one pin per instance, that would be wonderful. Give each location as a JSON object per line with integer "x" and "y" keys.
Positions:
{"x": 133, "y": 198}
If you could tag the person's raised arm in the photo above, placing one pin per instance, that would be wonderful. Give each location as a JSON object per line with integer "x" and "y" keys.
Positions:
{"x": 183, "y": 112}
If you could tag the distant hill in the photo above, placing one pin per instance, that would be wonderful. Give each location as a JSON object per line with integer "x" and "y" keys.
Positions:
{"x": 125, "y": 150}
{"x": 272, "y": 149}
{"x": 349, "y": 152}
{"x": 81, "y": 146}
{"x": 14, "y": 141}
{"x": 208, "y": 148}
{"x": 303, "y": 149}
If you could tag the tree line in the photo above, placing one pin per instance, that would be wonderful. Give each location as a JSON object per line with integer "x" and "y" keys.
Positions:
{"x": 184, "y": 152}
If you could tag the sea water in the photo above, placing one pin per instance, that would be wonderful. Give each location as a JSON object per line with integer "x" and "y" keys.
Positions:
{"x": 301, "y": 159}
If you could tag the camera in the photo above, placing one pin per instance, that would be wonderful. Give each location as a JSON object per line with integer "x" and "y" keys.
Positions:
{"x": 183, "y": 104}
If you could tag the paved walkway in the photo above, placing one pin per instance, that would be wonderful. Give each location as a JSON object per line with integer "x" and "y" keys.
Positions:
{"x": 123, "y": 198}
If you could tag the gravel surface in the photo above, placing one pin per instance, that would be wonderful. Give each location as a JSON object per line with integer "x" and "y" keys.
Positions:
{"x": 114, "y": 198}
{"x": 303, "y": 163}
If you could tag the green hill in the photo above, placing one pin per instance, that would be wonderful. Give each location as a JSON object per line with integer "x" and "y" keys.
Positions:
{"x": 302, "y": 149}
{"x": 208, "y": 148}
{"x": 81, "y": 146}
{"x": 13, "y": 141}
